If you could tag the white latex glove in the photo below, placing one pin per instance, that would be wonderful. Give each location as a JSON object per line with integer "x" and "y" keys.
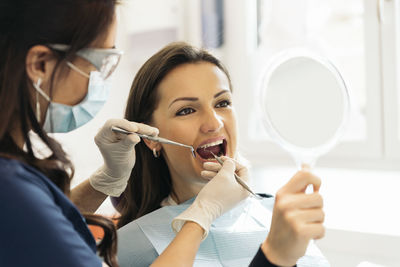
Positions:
{"x": 218, "y": 196}
{"x": 212, "y": 168}
{"x": 118, "y": 152}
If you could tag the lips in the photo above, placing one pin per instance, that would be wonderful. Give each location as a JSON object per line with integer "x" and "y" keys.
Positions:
{"x": 218, "y": 147}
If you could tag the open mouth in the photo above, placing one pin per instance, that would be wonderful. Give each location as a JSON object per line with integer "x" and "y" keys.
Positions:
{"x": 218, "y": 148}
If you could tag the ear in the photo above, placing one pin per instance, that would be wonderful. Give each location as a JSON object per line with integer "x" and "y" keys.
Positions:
{"x": 40, "y": 63}
{"x": 151, "y": 144}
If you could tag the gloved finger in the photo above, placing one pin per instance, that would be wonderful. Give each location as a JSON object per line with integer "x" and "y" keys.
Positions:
{"x": 239, "y": 165}
{"x": 227, "y": 169}
{"x": 122, "y": 123}
{"x": 106, "y": 135}
{"x": 212, "y": 166}
{"x": 131, "y": 126}
{"x": 241, "y": 168}
{"x": 208, "y": 174}
{"x": 130, "y": 139}
{"x": 146, "y": 129}
{"x": 238, "y": 159}
{"x": 115, "y": 138}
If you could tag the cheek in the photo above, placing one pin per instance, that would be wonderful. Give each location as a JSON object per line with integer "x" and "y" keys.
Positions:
{"x": 179, "y": 159}
{"x": 81, "y": 89}
{"x": 182, "y": 131}
{"x": 71, "y": 90}
{"x": 231, "y": 129}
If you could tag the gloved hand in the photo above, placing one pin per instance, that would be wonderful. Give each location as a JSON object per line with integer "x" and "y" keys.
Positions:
{"x": 118, "y": 151}
{"x": 212, "y": 168}
{"x": 217, "y": 197}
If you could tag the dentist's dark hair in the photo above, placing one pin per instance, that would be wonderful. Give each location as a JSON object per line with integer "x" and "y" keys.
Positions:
{"x": 150, "y": 180}
{"x": 23, "y": 25}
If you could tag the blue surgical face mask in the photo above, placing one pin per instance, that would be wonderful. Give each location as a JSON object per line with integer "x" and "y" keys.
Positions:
{"x": 62, "y": 118}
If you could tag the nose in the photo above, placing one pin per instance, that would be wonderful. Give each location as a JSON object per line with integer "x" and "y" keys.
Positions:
{"x": 212, "y": 122}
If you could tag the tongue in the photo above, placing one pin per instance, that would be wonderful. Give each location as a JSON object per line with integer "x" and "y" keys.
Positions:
{"x": 205, "y": 153}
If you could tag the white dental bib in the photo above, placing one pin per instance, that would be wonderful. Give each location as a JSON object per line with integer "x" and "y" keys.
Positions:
{"x": 233, "y": 240}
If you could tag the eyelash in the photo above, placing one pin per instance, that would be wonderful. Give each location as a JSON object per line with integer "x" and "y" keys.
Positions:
{"x": 187, "y": 111}
{"x": 228, "y": 103}
{"x": 180, "y": 113}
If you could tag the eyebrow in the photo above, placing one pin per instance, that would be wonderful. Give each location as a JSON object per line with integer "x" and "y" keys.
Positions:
{"x": 222, "y": 92}
{"x": 196, "y": 99}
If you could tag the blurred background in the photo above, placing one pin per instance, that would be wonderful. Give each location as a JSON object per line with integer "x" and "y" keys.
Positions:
{"x": 361, "y": 176}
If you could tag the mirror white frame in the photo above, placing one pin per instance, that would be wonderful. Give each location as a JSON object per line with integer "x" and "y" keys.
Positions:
{"x": 301, "y": 154}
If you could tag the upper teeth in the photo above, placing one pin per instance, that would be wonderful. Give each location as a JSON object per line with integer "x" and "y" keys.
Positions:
{"x": 216, "y": 143}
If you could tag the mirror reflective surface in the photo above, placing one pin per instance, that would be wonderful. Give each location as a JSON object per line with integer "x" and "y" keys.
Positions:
{"x": 305, "y": 104}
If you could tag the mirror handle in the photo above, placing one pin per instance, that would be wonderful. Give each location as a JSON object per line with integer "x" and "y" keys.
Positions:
{"x": 380, "y": 11}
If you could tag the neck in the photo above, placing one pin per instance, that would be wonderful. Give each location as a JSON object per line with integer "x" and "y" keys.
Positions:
{"x": 184, "y": 188}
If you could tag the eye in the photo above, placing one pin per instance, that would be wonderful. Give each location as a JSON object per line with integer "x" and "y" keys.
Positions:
{"x": 185, "y": 111}
{"x": 223, "y": 104}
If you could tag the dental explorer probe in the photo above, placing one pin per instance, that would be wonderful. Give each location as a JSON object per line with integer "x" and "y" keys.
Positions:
{"x": 238, "y": 179}
{"x": 153, "y": 138}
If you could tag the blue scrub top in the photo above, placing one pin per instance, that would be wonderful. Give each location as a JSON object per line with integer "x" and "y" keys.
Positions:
{"x": 39, "y": 225}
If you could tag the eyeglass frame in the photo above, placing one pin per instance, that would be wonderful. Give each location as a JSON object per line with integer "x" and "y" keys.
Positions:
{"x": 92, "y": 55}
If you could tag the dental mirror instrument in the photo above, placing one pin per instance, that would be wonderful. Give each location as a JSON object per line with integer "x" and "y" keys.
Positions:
{"x": 153, "y": 138}
{"x": 238, "y": 179}
{"x": 305, "y": 104}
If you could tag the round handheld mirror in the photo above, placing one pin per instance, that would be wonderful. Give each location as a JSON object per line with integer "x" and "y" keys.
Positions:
{"x": 305, "y": 105}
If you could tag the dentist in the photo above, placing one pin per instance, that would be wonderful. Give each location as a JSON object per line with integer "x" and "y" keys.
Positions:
{"x": 55, "y": 61}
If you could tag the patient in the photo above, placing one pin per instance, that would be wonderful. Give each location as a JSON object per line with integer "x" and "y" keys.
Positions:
{"x": 187, "y": 94}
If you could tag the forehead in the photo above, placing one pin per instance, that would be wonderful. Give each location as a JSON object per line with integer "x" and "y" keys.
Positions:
{"x": 193, "y": 80}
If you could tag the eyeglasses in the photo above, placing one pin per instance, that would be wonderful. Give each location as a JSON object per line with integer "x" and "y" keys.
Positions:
{"x": 103, "y": 59}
